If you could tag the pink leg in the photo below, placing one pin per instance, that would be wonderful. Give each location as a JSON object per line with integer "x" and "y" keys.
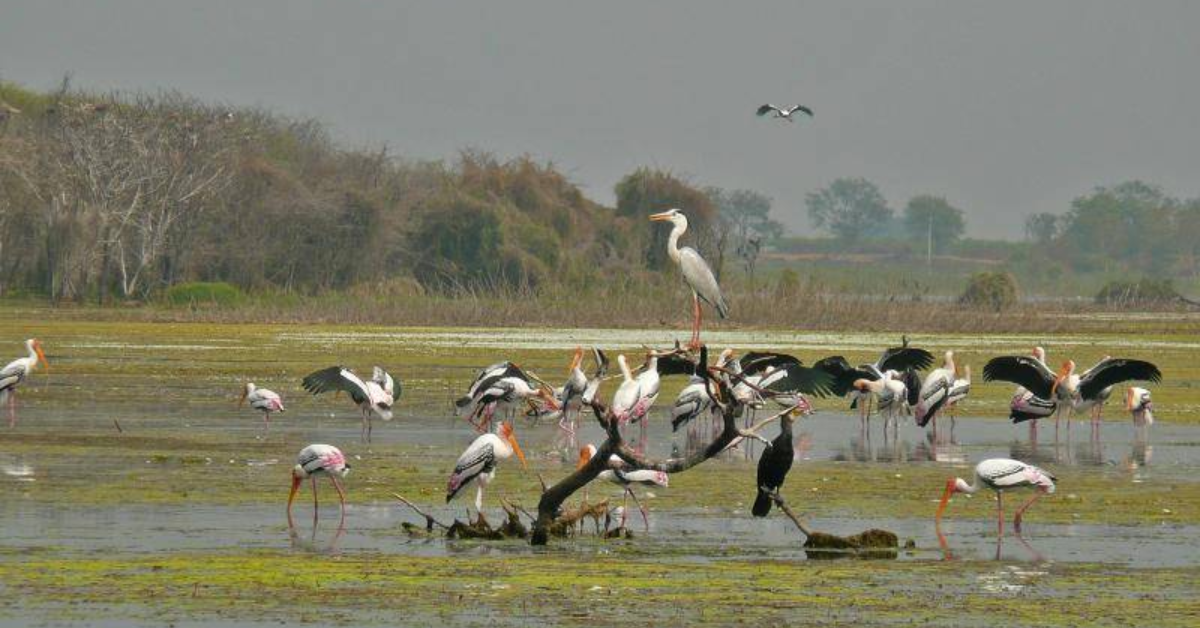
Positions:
{"x": 12, "y": 408}
{"x": 341, "y": 498}
{"x": 316, "y": 507}
{"x": 1023, "y": 508}
{"x": 645, "y": 515}
{"x": 999, "y": 513}
{"x": 695, "y": 344}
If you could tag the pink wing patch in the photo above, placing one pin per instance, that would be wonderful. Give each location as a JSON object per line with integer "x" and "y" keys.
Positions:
{"x": 335, "y": 461}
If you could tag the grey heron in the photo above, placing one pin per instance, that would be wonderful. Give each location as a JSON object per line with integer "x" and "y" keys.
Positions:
{"x": 784, "y": 112}
{"x": 696, "y": 272}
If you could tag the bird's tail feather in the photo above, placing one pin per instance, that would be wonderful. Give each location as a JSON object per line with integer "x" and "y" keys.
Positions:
{"x": 722, "y": 307}
{"x": 762, "y": 504}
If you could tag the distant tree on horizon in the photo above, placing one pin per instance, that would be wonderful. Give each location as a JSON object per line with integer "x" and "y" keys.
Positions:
{"x": 926, "y": 213}
{"x": 849, "y": 209}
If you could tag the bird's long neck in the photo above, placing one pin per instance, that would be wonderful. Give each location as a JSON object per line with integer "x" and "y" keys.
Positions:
{"x": 624, "y": 368}
{"x": 673, "y": 241}
{"x": 963, "y": 487}
{"x": 33, "y": 357}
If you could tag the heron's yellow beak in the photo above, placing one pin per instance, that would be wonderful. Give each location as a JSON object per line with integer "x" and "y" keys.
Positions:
{"x": 660, "y": 217}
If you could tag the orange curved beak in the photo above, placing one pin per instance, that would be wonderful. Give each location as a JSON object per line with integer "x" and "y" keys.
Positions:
{"x": 937, "y": 517}
{"x": 576, "y": 360}
{"x": 37, "y": 348}
{"x": 1129, "y": 399}
{"x": 511, "y": 437}
{"x": 291, "y": 498}
{"x": 242, "y": 400}
{"x": 1063, "y": 373}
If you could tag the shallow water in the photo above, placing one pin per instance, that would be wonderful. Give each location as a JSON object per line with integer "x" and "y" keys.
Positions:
{"x": 176, "y": 388}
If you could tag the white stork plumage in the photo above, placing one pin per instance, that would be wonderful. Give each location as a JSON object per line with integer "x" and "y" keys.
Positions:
{"x": 693, "y": 400}
{"x": 696, "y": 272}
{"x": 1026, "y": 406}
{"x": 891, "y": 393}
{"x": 477, "y": 465}
{"x": 570, "y": 396}
{"x": 635, "y": 395}
{"x": 904, "y": 361}
{"x": 312, "y": 462}
{"x": 935, "y": 391}
{"x": 501, "y": 387}
{"x": 619, "y": 473}
{"x": 1140, "y": 406}
{"x": 959, "y": 391}
{"x": 261, "y": 399}
{"x": 18, "y": 371}
{"x": 374, "y": 397}
{"x": 1068, "y": 390}
{"x": 1000, "y": 475}
{"x": 783, "y": 112}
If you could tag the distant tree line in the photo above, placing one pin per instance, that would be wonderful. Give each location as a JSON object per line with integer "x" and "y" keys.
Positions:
{"x": 107, "y": 196}
{"x": 1132, "y": 226}
{"x": 854, "y": 209}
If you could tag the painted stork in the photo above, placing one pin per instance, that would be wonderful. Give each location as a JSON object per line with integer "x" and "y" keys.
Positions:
{"x": 783, "y": 378}
{"x": 1140, "y": 406}
{"x": 313, "y": 462}
{"x": 1025, "y": 406}
{"x": 959, "y": 391}
{"x": 773, "y": 466}
{"x": 935, "y": 391}
{"x": 18, "y": 371}
{"x": 635, "y": 395}
{"x": 999, "y": 475}
{"x": 620, "y": 474}
{"x": 570, "y": 396}
{"x": 694, "y": 400}
{"x": 1068, "y": 390}
{"x": 891, "y": 392}
{"x": 784, "y": 113}
{"x": 501, "y": 388}
{"x": 374, "y": 397}
{"x": 903, "y": 360}
{"x": 696, "y": 272}
{"x": 261, "y": 399}
{"x": 477, "y": 465}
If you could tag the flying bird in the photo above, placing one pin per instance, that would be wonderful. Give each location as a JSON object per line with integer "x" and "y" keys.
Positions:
{"x": 783, "y": 112}
{"x": 696, "y": 272}
{"x": 374, "y": 397}
{"x": 312, "y": 462}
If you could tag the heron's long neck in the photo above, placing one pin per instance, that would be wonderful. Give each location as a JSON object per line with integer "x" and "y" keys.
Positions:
{"x": 673, "y": 241}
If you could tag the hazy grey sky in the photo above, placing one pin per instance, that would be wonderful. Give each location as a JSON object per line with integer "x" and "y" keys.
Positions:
{"x": 1005, "y": 108}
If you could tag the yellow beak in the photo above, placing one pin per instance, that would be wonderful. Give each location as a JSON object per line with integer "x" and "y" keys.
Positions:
{"x": 659, "y": 217}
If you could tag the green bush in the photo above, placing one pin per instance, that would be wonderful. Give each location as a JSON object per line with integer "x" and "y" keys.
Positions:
{"x": 994, "y": 290}
{"x": 198, "y": 293}
{"x": 1139, "y": 292}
